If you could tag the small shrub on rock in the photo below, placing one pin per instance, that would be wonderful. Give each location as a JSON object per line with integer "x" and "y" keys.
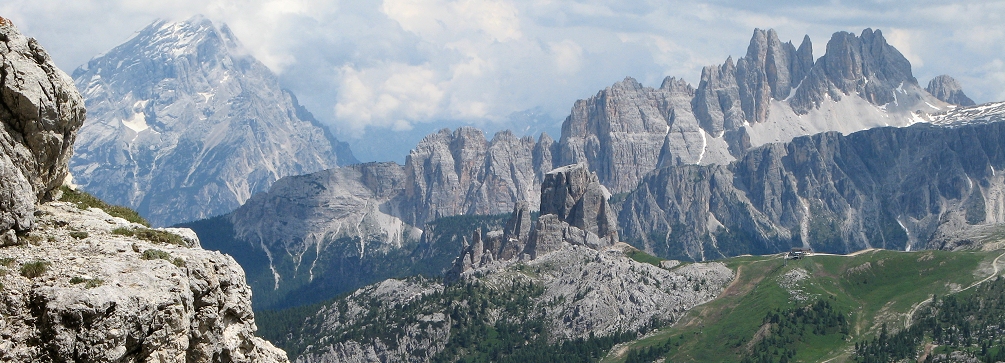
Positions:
{"x": 31, "y": 238}
{"x": 6, "y": 262}
{"x": 153, "y": 254}
{"x": 151, "y": 235}
{"x": 83, "y": 201}
{"x": 79, "y": 234}
{"x": 34, "y": 269}
{"x": 88, "y": 283}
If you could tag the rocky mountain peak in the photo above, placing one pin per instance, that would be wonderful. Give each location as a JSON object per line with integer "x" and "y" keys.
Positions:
{"x": 869, "y": 57}
{"x": 675, "y": 85}
{"x": 948, "y": 90}
{"x": 865, "y": 65}
{"x": 186, "y": 124}
{"x": 805, "y": 51}
{"x": 40, "y": 114}
{"x": 717, "y": 104}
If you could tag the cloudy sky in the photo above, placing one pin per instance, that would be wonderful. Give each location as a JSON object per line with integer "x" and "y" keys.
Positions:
{"x": 401, "y": 64}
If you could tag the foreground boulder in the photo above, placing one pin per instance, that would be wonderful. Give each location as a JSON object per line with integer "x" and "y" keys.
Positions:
{"x": 40, "y": 112}
{"x": 83, "y": 290}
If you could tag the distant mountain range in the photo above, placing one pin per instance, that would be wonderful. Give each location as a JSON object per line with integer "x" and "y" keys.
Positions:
{"x": 183, "y": 124}
{"x": 630, "y": 135}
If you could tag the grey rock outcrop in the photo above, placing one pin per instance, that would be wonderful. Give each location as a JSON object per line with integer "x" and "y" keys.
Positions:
{"x": 949, "y": 90}
{"x": 575, "y": 196}
{"x": 770, "y": 70}
{"x": 519, "y": 224}
{"x": 583, "y": 292}
{"x": 717, "y": 102}
{"x": 106, "y": 298}
{"x": 486, "y": 248}
{"x": 731, "y": 96}
{"x": 574, "y": 210}
{"x": 184, "y": 125}
{"x": 40, "y": 112}
{"x": 926, "y": 186}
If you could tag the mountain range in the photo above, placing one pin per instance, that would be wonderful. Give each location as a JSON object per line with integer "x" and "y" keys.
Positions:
{"x": 629, "y": 135}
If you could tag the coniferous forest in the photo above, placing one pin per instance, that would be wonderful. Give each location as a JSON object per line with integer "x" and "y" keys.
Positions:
{"x": 971, "y": 323}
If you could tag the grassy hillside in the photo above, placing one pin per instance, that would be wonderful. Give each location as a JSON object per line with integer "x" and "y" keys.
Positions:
{"x": 810, "y": 310}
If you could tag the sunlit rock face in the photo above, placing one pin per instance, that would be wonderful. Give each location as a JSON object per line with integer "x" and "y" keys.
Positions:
{"x": 185, "y": 124}
{"x": 40, "y": 112}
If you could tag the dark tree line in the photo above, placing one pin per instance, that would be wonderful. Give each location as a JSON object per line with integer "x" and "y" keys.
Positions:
{"x": 972, "y": 322}
{"x": 790, "y": 327}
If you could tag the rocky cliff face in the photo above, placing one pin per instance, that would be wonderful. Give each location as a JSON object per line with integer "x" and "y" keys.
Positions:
{"x": 82, "y": 291}
{"x": 773, "y": 94}
{"x": 926, "y": 186}
{"x": 40, "y": 112}
{"x": 80, "y": 285}
{"x": 947, "y": 89}
{"x": 626, "y": 130}
{"x": 574, "y": 209}
{"x": 463, "y": 173}
{"x": 185, "y": 125}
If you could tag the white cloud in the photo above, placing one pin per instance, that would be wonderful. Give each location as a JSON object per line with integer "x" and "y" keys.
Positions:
{"x": 387, "y": 96}
{"x": 446, "y": 19}
{"x": 903, "y": 40}
{"x": 567, "y": 55}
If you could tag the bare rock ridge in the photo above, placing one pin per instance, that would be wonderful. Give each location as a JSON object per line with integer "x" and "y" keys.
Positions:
{"x": 934, "y": 185}
{"x": 185, "y": 125}
{"x": 622, "y": 134}
{"x": 947, "y": 89}
{"x": 574, "y": 210}
{"x": 40, "y": 111}
{"x": 774, "y": 93}
{"x": 730, "y": 96}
